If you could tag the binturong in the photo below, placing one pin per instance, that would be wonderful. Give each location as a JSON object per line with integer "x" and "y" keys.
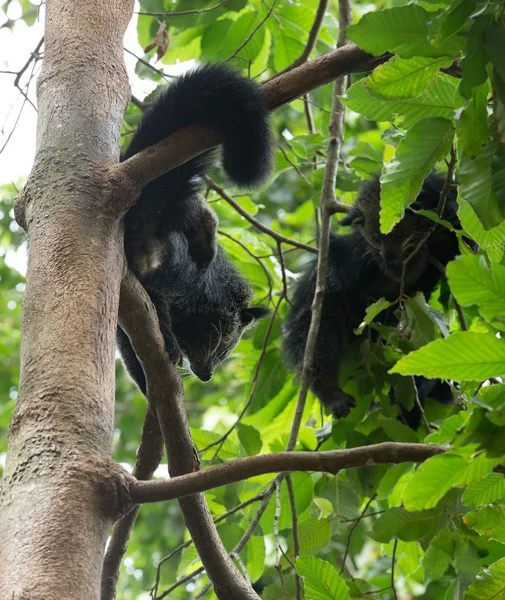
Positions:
{"x": 365, "y": 266}
{"x": 202, "y": 301}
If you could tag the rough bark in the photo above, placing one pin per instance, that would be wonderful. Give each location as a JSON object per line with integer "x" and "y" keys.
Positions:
{"x": 138, "y": 318}
{"x": 59, "y": 496}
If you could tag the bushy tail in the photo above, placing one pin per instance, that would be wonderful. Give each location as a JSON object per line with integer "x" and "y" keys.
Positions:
{"x": 219, "y": 98}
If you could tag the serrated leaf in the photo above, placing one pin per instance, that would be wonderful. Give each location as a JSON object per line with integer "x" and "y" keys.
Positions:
{"x": 402, "y": 78}
{"x": 313, "y": 535}
{"x": 402, "y": 524}
{"x": 432, "y": 481}
{"x": 473, "y": 282}
{"x": 287, "y": 591}
{"x": 390, "y": 479}
{"x": 437, "y": 101}
{"x": 489, "y": 521}
{"x": 403, "y": 30}
{"x": 463, "y": 356}
{"x": 487, "y": 490}
{"x": 428, "y": 141}
{"x": 493, "y": 241}
{"x": 474, "y": 63}
{"x": 322, "y": 582}
{"x": 448, "y": 430}
{"x": 490, "y": 584}
{"x": 250, "y": 438}
{"x": 255, "y": 557}
{"x": 471, "y": 126}
{"x": 476, "y": 185}
{"x": 438, "y": 556}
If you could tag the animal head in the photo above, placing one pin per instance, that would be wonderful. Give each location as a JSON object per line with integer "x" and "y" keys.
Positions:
{"x": 412, "y": 237}
{"x": 207, "y": 338}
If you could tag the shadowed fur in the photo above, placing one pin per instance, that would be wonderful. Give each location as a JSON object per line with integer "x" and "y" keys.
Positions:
{"x": 170, "y": 234}
{"x": 364, "y": 266}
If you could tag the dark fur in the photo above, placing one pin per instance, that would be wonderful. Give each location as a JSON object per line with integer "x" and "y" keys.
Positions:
{"x": 363, "y": 267}
{"x": 170, "y": 233}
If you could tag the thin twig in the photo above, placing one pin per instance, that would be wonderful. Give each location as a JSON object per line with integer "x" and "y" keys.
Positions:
{"x": 313, "y": 35}
{"x": 294, "y": 524}
{"x": 258, "y": 260}
{"x": 459, "y": 308}
{"x": 327, "y": 200}
{"x": 144, "y": 62}
{"x": 257, "y": 224}
{"x": 181, "y": 547}
{"x": 393, "y": 561}
{"x": 417, "y": 402}
{"x": 182, "y": 12}
{"x": 253, "y": 32}
{"x": 254, "y": 388}
{"x": 351, "y": 531}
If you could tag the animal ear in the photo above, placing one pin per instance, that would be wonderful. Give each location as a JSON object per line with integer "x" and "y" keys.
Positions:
{"x": 253, "y": 313}
{"x": 353, "y": 217}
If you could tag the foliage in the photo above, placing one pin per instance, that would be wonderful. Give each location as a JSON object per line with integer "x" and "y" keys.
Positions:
{"x": 433, "y": 531}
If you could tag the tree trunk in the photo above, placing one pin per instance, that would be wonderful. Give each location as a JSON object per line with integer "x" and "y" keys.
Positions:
{"x": 59, "y": 493}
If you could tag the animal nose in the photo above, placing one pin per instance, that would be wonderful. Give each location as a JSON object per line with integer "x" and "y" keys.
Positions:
{"x": 204, "y": 375}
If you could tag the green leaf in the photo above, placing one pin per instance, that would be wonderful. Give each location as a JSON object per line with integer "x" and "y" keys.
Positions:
{"x": 256, "y": 553}
{"x": 428, "y": 141}
{"x": 432, "y": 481}
{"x": 438, "y": 555}
{"x": 423, "y": 322}
{"x": 250, "y": 438}
{"x": 492, "y": 241}
{"x": 490, "y": 584}
{"x": 473, "y": 282}
{"x": 313, "y": 535}
{"x": 471, "y": 126}
{"x": 402, "y": 78}
{"x": 402, "y": 30}
{"x": 494, "y": 46}
{"x": 322, "y": 582}
{"x": 371, "y": 312}
{"x": 448, "y": 430}
{"x": 489, "y": 521}
{"x": 476, "y": 185}
{"x": 474, "y": 63}
{"x": 286, "y": 591}
{"x": 487, "y": 490}
{"x": 390, "y": 479}
{"x": 437, "y": 101}
{"x": 404, "y": 525}
{"x": 464, "y": 356}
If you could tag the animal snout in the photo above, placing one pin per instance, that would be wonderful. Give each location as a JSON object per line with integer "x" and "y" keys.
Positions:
{"x": 204, "y": 374}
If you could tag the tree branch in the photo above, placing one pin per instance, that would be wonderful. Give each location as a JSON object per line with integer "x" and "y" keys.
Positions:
{"x": 278, "y": 237}
{"x": 137, "y": 316}
{"x": 327, "y": 208}
{"x": 181, "y": 13}
{"x": 333, "y": 461}
{"x": 189, "y": 142}
{"x": 149, "y": 456}
{"x": 311, "y": 42}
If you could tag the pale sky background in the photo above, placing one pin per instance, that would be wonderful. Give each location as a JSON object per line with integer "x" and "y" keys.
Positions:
{"x": 18, "y": 118}
{"x": 15, "y": 48}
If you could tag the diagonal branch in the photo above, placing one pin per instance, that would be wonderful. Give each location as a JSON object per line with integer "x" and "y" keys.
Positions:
{"x": 137, "y": 316}
{"x": 191, "y": 141}
{"x": 332, "y": 461}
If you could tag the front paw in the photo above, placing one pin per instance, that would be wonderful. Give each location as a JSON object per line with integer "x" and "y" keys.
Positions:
{"x": 339, "y": 403}
{"x": 342, "y": 405}
{"x": 172, "y": 345}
